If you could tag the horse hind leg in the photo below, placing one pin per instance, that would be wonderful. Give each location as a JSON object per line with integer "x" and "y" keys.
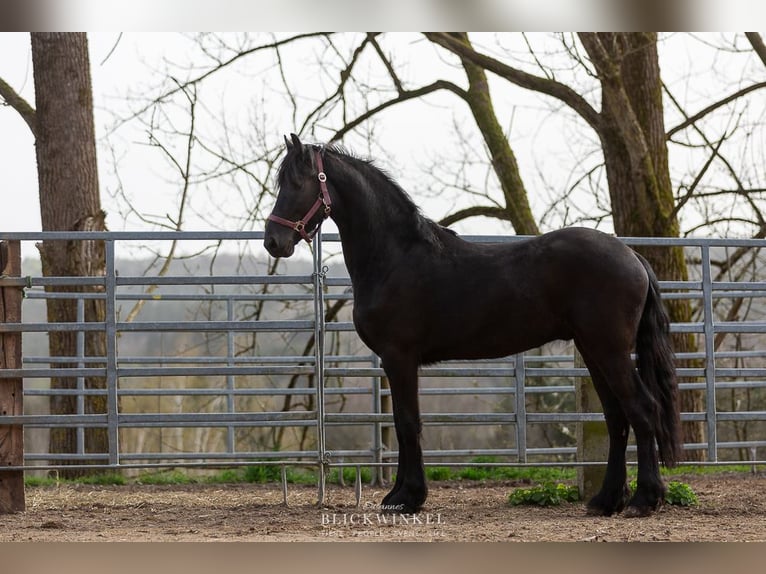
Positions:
{"x": 614, "y": 492}
{"x": 638, "y": 407}
{"x": 650, "y": 490}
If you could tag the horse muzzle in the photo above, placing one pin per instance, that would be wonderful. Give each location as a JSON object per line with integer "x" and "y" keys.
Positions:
{"x": 280, "y": 241}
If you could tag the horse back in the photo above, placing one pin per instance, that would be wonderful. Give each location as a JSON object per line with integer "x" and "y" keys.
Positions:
{"x": 468, "y": 301}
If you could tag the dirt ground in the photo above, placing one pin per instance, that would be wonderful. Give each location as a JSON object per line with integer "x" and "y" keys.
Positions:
{"x": 732, "y": 508}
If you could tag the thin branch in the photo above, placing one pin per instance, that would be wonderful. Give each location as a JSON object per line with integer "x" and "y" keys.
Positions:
{"x": 14, "y": 100}
{"x": 114, "y": 47}
{"x": 345, "y": 76}
{"x": 389, "y": 66}
{"x": 690, "y": 192}
{"x": 476, "y": 211}
{"x": 520, "y": 78}
{"x": 707, "y": 141}
{"x": 690, "y": 120}
{"x": 185, "y": 172}
{"x": 757, "y": 42}
{"x": 403, "y": 97}
{"x": 218, "y": 67}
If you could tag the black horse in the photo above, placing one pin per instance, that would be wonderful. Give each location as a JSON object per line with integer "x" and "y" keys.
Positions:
{"x": 422, "y": 294}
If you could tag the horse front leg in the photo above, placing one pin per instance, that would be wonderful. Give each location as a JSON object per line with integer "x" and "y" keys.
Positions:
{"x": 410, "y": 489}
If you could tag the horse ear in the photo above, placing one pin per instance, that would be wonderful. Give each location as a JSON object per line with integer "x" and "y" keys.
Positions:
{"x": 288, "y": 143}
{"x": 298, "y": 146}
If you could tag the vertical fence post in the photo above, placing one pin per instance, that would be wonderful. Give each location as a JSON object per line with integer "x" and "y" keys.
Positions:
{"x": 319, "y": 328}
{"x": 707, "y": 301}
{"x": 230, "y": 406}
{"x": 112, "y": 401}
{"x": 12, "y": 389}
{"x": 80, "y": 380}
{"x": 521, "y": 408}
{"x": 377, "y": 427}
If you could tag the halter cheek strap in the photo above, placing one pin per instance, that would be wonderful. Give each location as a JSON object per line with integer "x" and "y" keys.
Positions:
{"x": 322, "y": 201}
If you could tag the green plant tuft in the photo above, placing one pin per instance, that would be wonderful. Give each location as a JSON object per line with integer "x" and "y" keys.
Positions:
{"x": 677, "y": 493}
{"x": 680, "y": 494}
{"x": 546, "y": 494}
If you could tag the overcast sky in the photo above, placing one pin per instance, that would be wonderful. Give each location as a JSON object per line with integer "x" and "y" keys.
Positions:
{"x": 410, "y": 130}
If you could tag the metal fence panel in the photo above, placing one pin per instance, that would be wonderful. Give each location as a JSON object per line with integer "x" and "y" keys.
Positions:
{"x": 218, "y": 384}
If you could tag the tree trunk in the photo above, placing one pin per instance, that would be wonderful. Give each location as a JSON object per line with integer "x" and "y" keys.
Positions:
{"x": 503, "y": 159}
{"x": 636, "y": 157}
{"x": 69, "y": 201}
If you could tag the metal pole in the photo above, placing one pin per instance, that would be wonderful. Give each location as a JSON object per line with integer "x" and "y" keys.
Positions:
{"x": 707, "y": 301}
{"x": 80, "y": 380}
{"x": 112, "y": 410}
{"x": 521, "y": 408}
{"x": 230, "y": 378}
{"x": 318, "y": 276}
{"x": 377, "y": 427}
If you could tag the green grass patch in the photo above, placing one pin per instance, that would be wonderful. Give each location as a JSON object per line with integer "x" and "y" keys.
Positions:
{"x": 263, "y": 473}
{"x": 437, "y": 473}
{"x": 480, "y": 469}
{"x": 706, "y": 470}
{"x": 41, "y": 481}
{"x": 349, "y": 474}
{"x": 110, "y": 479}
{"x": 546, "y": 494}
{"x": 301, "y": 476}
{"x": 172, "y": 476}
{"x": 228, "y": 476}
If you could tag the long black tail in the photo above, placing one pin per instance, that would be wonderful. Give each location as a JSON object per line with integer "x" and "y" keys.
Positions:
{"x": 656, "y": 366}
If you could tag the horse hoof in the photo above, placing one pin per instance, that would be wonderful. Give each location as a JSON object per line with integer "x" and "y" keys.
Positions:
{"x": 607, "y": 504}
{"x": 397, "y": 502}
{"x": 389, "y": 507}
{"x": 637, "y": 512}
{"x": 597, "y": 511}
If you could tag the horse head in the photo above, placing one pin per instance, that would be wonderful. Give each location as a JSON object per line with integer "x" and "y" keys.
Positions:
{"x": 303, "y": 201}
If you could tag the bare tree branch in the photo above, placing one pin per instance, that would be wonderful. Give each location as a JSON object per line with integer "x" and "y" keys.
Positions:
{"x": 345, "y": 76}
{"x": 476, "y": 211}
{"x": 758, "y": 45}
{"x": 692, "y": 188}
{"x": 690, "y": 120}
{"x": 403, "y": 97}
{"x": 520, "y": 78}
{"x": 389, "y": 66}
{"x": 708, "y": 143}
{"x": 220, "y": 65}
{"x": 185, "y": 173}
{"x": 14, "y": 100}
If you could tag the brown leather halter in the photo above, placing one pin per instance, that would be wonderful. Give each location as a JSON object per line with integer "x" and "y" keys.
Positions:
{"x": 322, "y": 200}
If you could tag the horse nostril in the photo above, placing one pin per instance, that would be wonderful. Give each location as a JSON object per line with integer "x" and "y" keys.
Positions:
{"x": 270, "y": 244}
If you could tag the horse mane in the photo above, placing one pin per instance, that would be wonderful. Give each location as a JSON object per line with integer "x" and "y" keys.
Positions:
{"x": 387, "y": 197}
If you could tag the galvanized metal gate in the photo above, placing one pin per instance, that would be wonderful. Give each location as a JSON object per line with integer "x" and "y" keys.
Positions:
{"x": 227, "y": 378}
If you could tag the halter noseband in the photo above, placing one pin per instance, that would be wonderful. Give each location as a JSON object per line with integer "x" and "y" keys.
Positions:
{"x": 322, "y": 200}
